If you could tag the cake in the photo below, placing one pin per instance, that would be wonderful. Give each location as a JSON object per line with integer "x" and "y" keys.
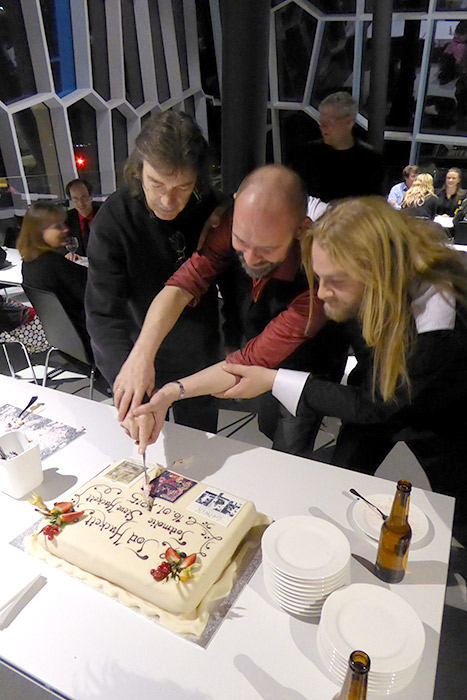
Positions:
{"x": 169, "y": 555}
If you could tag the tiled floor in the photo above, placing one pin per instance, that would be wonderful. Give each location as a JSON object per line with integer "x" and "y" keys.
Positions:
{"x": 452, "y": 669}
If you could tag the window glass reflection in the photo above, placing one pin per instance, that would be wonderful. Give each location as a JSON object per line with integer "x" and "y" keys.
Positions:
{"x": 179, "y": 22}
{"x": 16, "y": 73}
{"x": 451, "y": 5}
{"x": 133, "y": 80}
{"x": 445, "y": 108}
{"x": 438, "y": 158}
{"x": 207, "y": 55}
{"x": 407, "y": 39}
{"x": 401, "y": 5}
{"x": 295, "y": 34}
{"x": 82, "y": 119}
{"x": 38, "y": 152}
{"x": 160, "y": 63}
{"x": 120, "y": 144}
{"x": 332, "y": 7}
{"x": 59, "y": 35}
{"x": 99, "y": 54}
{"x": 335, "y": 65}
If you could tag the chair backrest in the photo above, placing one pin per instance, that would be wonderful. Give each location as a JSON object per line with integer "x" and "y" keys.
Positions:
{"x": 58, "y": 328}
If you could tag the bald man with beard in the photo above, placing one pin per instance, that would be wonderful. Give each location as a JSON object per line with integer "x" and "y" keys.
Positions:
{"x": 260, "y": 235}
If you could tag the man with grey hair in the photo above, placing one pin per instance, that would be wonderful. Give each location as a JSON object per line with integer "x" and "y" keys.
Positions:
{"x": 339, "y": 165}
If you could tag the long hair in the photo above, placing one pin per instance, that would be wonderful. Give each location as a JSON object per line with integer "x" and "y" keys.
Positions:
{"x": 170, "y": 141}
{"x": 389, "y": 252}
{"x": 421, "y": 189}
{"x": 38, "y": 217}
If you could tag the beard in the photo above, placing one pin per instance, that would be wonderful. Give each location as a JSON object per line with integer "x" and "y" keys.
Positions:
{"x": 263, "y": 270}
{"x": 340, "y": 312}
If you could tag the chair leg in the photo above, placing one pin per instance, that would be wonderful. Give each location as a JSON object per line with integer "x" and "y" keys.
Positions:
{"x": 46, "y": 368}
{"x": 27, "y": 357}
{"x": 8, "y": 361}
{"x": 92, "y": 376}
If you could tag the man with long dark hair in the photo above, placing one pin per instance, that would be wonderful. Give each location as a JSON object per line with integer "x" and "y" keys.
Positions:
{"x": 139, "y": 237}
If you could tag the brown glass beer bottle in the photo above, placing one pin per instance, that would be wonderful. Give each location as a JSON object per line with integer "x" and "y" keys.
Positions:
{"x": 355, "y": 683}
{"x": 394, "y": 540}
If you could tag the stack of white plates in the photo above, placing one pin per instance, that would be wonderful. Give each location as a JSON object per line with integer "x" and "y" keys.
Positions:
{"x": 379, "y": 622}
{"x": 304, "y": 560}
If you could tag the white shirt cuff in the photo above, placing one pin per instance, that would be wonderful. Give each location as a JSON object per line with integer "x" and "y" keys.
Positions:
{"x": 288, "y": 386}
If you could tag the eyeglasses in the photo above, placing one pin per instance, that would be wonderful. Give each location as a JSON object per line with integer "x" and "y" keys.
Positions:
{"x": 178, "y": 243}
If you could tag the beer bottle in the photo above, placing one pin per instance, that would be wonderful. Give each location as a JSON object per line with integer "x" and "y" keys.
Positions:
{"x": 394, "y": 540}
{"x": 356, "y": 680}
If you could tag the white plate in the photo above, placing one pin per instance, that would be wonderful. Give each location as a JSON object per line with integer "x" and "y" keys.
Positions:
{"x": 364, "y": 616}
{"x": 306, "y": 547}
{"x": 305, "y": 585}
{"x": 370, "y": 522}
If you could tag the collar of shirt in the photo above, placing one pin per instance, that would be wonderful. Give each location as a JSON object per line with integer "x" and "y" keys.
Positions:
{"x": 286, "y": 271}
{"x": 89, "y": 218}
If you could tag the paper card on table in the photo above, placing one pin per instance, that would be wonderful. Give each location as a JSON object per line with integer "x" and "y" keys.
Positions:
{"x": 50, "y": 434}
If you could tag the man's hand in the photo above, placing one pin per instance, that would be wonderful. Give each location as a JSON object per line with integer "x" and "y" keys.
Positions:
{"x": 251, "y": 381}
{"x": 135, "y": 379}
{"x": 156, "y": 409}
{"x": 144, "y": 430}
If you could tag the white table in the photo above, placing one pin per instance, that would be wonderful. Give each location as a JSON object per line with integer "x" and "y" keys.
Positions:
{"x": 12, "y": 275}
{"x": 92, "y": 648}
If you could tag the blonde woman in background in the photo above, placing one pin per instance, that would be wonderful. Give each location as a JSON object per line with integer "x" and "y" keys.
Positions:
{"x": 420, "y": 199}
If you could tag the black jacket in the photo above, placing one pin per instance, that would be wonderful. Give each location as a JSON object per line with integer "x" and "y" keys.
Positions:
{"x": 131, "y": 255}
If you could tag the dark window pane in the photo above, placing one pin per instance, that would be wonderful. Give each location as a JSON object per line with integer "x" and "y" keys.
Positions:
{"x": 295, "y": 34}
{"x": 181, "y": 42}
{"x": 404, "y": 68}
{"x": 120, "y": 144}
{"x": 59, "y": 35}
{"x": 133, "y": 81}
{"x": 99, "y": 55}
{"x": 158, "y": 52}
{"x": 37, "y": 145}
{"x": 454, "y": 5}
{"x": 16, "y": 73}
{"x": 401, "y": 5}
{"x": 335, "y": 65}
{"x": 445, "y": 108}
{"x": 82, "y": 119}
{"x": 207, "y": 55}
{"x": 333, "y": 7}
{"x": 189, "y": 106}
{"x": 437, "y": 158}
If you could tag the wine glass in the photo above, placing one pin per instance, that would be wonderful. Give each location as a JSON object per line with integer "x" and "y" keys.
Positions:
{"x": 72, "y": 245}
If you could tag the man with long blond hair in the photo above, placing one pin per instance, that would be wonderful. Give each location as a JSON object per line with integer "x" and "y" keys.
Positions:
{"x": 402, "y": 293}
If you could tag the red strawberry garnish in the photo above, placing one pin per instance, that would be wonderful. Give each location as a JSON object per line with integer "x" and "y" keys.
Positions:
{"x": 188, "y": 561}
{"x": 63, "y": 506}
{"x": 71, "y": 517}
{"x": 162, "y": 572}
{"x": 172, "y": 556}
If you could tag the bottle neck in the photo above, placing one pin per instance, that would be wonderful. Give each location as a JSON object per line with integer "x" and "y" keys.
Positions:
{"x": 400, "y": 507}
{"x": 356, "y": 680}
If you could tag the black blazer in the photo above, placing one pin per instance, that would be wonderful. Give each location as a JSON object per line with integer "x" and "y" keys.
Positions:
{"x": 73, "y": 224}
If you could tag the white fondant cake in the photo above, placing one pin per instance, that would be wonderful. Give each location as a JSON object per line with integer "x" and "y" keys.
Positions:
{"x": 120, "y": 540}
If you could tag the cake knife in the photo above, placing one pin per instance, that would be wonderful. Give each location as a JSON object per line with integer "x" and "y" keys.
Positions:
{"x": 146, "y": 476}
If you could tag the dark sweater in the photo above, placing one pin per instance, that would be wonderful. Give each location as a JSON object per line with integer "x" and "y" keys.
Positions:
{"x": 131, "y": 255}
{"x": 53, "y": 272}
{"x": 331, "y": 174}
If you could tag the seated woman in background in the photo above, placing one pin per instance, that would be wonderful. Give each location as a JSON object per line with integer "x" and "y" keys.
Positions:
{"x": 451, "y": 194}
{"x": 42, "y": 237}
{"x": 420, "y": 199}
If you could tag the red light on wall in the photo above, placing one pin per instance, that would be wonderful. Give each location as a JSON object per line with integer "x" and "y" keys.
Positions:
{"x": 80, "y": 161}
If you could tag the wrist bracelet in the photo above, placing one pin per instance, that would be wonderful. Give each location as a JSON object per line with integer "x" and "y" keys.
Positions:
{"x": 182, "y": 389}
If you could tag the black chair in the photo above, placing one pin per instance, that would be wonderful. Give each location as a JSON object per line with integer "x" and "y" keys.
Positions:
{"x": 61, "y": 335}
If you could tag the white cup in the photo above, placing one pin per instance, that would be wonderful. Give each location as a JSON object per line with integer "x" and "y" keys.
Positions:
{"x": 21, "y": 474}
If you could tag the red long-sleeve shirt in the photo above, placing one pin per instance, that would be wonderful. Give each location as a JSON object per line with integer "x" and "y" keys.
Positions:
{"x": 285, "y": 332}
